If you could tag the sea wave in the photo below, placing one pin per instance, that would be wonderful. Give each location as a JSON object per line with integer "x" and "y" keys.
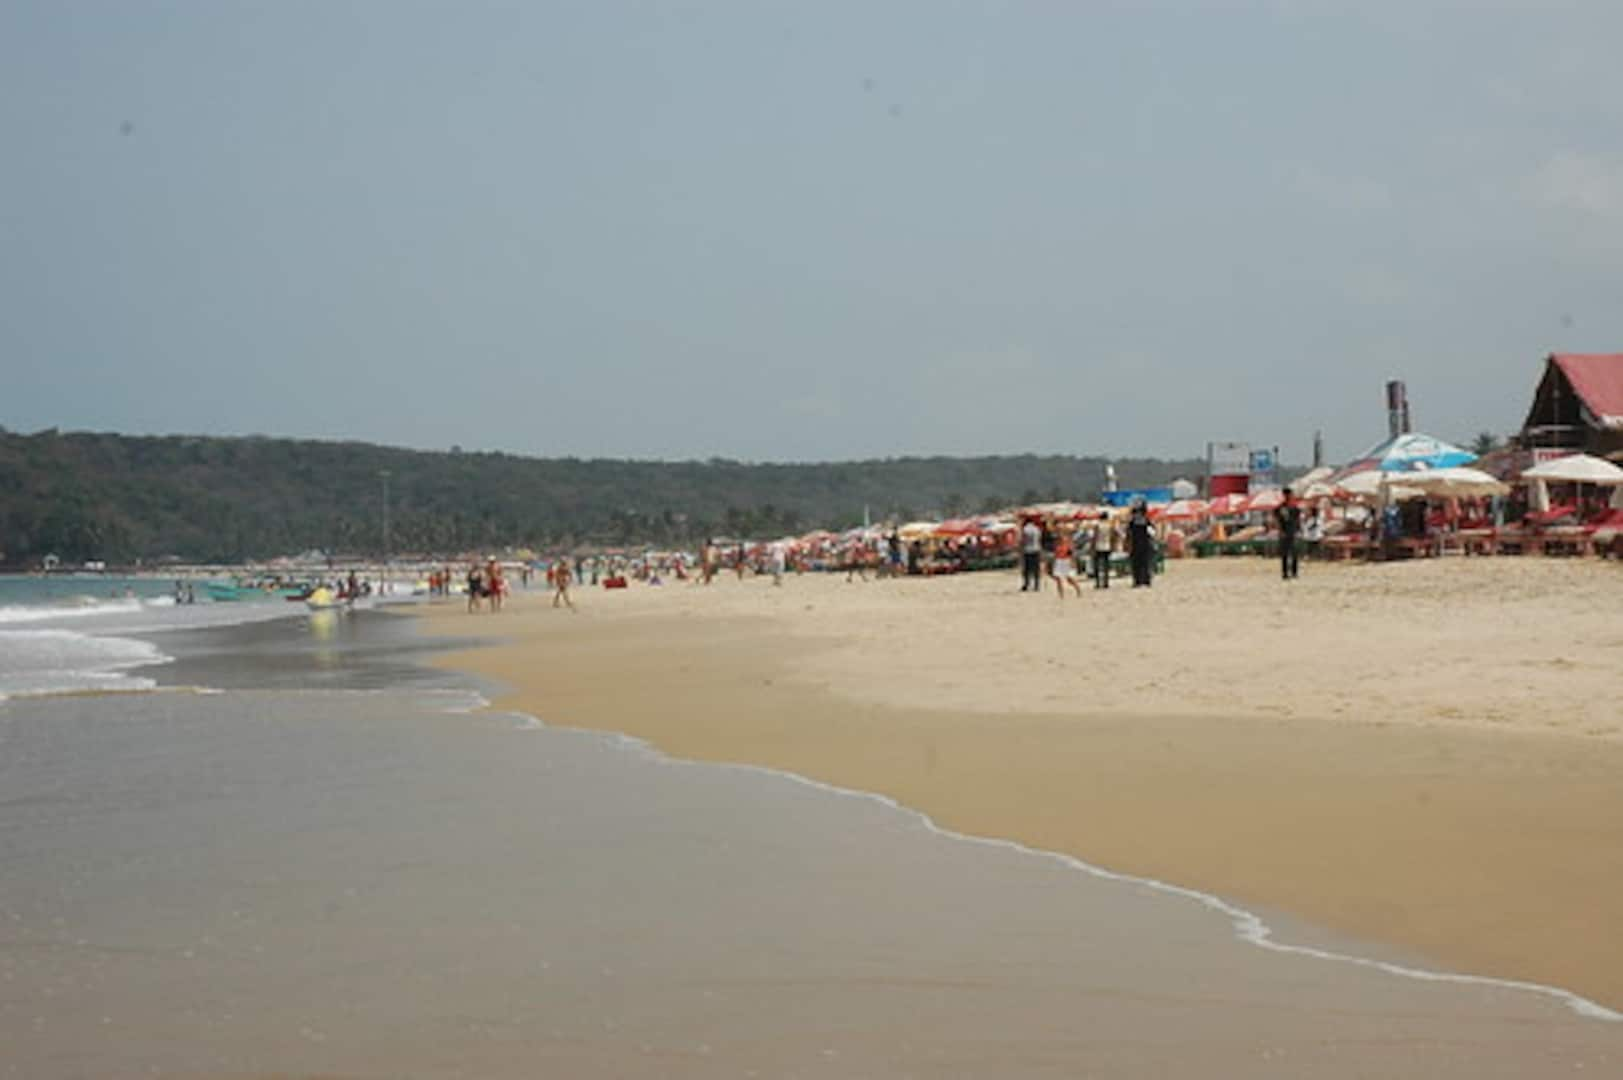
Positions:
{"x": 55, "y": 661}
{"x": 71, "y": 607}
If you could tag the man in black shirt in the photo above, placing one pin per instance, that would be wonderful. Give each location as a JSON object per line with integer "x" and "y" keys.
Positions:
{"x": 1141, "y": 545}
{"x": 1289, "y": 517}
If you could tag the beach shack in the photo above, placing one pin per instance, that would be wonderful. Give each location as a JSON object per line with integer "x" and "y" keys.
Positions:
{"x": 1578, "y": 405}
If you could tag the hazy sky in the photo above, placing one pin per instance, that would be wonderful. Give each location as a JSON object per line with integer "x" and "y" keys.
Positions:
{"x": 808, "y": 230}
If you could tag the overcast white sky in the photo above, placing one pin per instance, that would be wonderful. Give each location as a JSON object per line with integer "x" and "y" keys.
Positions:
{"x": 803, "y": 231}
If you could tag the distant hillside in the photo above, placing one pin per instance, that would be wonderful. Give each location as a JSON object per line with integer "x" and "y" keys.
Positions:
{"x": 121, "y": 498}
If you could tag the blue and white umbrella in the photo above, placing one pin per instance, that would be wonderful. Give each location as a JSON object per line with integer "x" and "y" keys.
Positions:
{"x": 1409, "y": 452}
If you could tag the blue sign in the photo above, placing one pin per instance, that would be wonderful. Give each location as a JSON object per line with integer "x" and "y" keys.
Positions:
{"x": 1126, "y": 498}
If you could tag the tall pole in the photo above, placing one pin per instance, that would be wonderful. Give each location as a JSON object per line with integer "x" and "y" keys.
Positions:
{"x": 384, "y": 582}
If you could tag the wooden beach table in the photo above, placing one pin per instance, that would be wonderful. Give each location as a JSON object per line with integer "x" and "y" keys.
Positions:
{"x": 1567, "y": 540}
{"x": 1338, "y": 548}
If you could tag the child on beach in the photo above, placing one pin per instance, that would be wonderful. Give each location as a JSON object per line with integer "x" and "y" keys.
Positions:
{"x": 1064, "y": 569}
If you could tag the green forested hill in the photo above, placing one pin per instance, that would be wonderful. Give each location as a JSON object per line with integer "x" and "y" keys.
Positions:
{"x": 121, "y": 498}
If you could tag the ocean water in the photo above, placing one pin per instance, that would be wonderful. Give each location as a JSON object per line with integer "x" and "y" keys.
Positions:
{"x": 27, "y": 597}
{"x": 290, "y": 849}
{"x": 67, "y": 633}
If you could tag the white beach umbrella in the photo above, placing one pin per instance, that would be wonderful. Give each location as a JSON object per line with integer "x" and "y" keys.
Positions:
{"x": 1373, "y": 484}
{"x": 1311, "y": 477}
{"x": 1576, "y": 469}
{"x": 1457, "y": 482}
{"x": 1316, "y": 489}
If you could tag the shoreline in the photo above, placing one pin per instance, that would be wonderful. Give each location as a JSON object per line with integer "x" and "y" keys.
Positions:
{"x": 1456, "y": 845}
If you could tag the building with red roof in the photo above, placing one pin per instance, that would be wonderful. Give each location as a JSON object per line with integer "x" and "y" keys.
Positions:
{"x": 1578, "y": 404}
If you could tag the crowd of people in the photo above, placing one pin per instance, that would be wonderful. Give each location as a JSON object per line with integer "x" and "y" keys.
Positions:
{"x": 1065, "y": 552}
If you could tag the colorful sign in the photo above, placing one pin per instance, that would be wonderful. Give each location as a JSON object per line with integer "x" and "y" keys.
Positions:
{"x": 1264, "y": 468}
{"x": 1228, "y": 459}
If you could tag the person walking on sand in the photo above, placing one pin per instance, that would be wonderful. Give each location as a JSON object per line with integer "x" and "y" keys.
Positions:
{"x": 707, "y": 562}
{"x": 1103, "y": 544}
{"x": 495, "y": 585}
{"x": 560, "y": 586}
{"x": 1289, "y": 516}
{"x": 1141, "y": 545}
{"x": 1064, "y": 569}
{"x": 476, "y": 588}
{"x": 855, "y": 557}
{"x": 1031, "y": 556}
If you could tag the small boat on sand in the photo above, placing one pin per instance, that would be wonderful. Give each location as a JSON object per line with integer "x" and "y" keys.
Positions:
{"x": 323, "y": 599}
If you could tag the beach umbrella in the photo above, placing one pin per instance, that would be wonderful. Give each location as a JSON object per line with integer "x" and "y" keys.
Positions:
{"x": 1267, "y": 499}
{"x": 961, "y": 527}
{"x": 1576, "y": 469}
{"x": 1180, "y": 510}
{"x": 1317, "y": 489}
{"x": 1224, "y": 505}
{"x": 916, "y": 530}
{"x": 1313, "y": 476}
{"x": 1054, "y": 511}
{"x": 1457, "y": 482}
{"x": 1409, "y": 452}
{"x": 1373, "y": 484}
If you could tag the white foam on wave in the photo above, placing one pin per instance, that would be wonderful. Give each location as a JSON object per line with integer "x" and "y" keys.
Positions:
{"x": 34, "y": 662}
{"x": 1248, "y": 926}
{"x": 78, "y": 607}
{"x": 464, "y": 702}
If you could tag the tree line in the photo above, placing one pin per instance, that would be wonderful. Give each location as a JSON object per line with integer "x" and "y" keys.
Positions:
{"x": 124, "y": 499}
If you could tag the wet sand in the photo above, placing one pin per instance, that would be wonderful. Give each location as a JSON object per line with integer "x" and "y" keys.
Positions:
{"x": 1477, "y": 827}
{"x": 258, "y": 884}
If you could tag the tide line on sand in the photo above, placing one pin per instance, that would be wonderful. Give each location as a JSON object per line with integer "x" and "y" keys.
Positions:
{"x": 1248, "y": 926}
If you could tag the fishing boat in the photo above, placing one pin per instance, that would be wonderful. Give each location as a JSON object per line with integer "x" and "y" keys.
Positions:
{"x": 248, "y": 589}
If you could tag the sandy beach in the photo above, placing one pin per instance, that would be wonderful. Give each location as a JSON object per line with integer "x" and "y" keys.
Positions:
{"x": 1422, "y": 756}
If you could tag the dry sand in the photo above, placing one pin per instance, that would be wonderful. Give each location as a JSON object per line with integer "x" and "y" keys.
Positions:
{"x": 1428, "y": 755}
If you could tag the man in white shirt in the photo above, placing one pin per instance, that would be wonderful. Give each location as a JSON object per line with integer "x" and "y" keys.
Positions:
{"x": 1031, "y": 557}
{"x": 1104, "y": 542}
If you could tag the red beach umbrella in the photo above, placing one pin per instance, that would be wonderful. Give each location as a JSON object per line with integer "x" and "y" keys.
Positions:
{"x": 1270, "y": 499}
{"x": 1181, "y": 510}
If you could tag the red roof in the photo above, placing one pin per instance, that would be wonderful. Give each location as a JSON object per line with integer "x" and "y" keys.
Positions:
{"x": 1597, "y": 379}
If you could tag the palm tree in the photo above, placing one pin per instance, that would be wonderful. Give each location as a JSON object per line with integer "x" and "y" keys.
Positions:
{"x": 1486, "y": 442}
